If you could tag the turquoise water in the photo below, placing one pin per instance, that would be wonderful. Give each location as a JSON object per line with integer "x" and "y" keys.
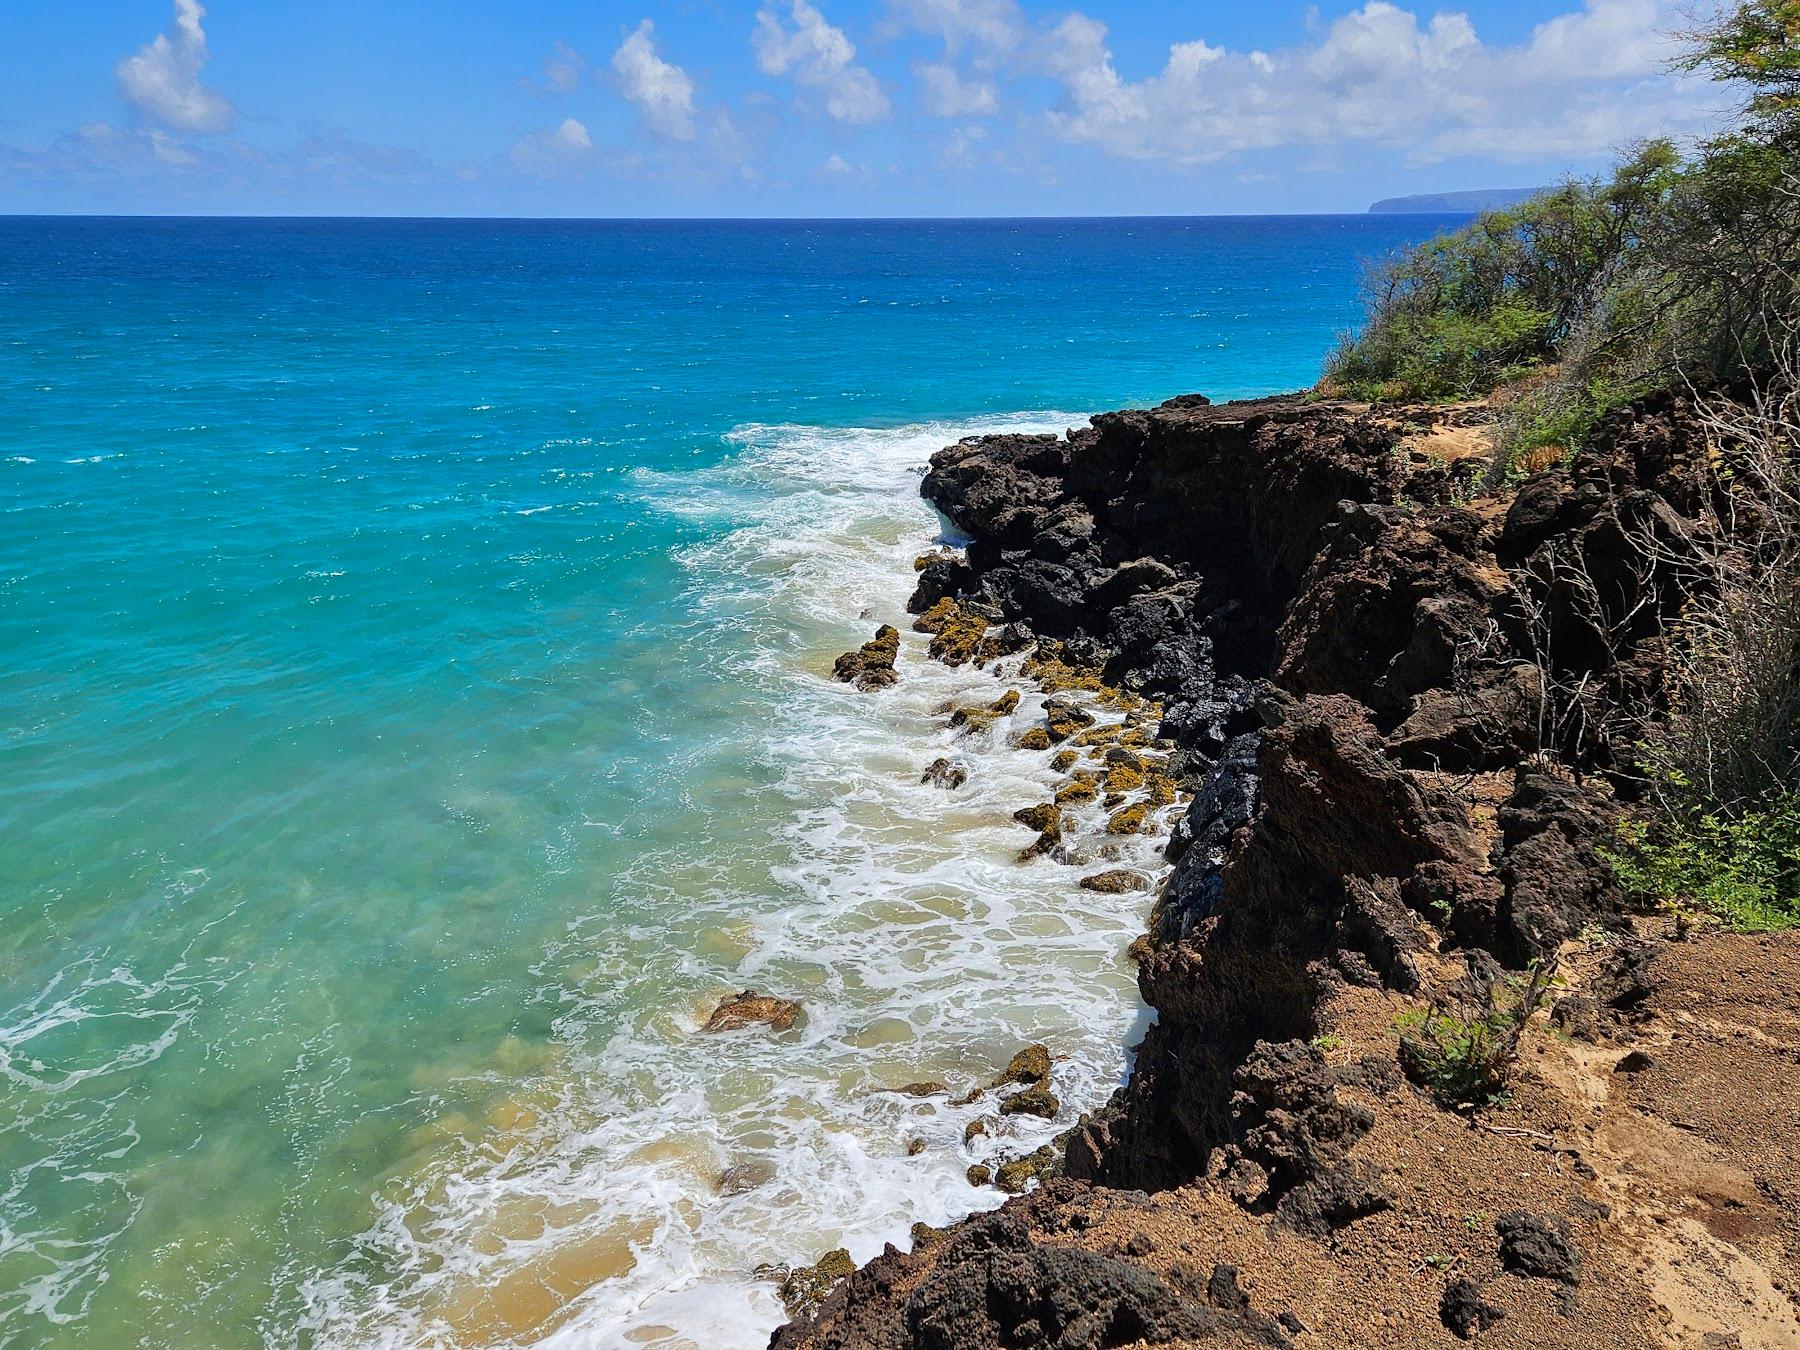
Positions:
{"x": 412, "y": 719}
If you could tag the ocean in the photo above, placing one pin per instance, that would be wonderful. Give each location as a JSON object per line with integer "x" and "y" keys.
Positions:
{"x": 414, "y": 716}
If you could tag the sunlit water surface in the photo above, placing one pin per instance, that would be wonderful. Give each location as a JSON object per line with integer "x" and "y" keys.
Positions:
{"x": 413, "y": 718}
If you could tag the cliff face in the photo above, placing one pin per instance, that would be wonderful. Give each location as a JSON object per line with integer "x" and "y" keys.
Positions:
{"x": 1399, "y": 701}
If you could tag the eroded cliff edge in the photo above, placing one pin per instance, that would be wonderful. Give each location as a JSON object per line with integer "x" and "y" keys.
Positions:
{"x": 1398, "y": 697}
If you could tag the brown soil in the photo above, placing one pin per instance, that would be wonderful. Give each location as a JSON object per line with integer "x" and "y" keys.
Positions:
{"x": 1678, "y": 1182}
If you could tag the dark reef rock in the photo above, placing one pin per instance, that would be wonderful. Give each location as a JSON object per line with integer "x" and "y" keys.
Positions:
{"x": 871, "y": 666}
{"x": 994, "y": 1288}
{"x": 1358, "y": 666}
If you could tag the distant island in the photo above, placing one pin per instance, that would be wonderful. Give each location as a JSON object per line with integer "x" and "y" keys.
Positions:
{"x": 1441, "y": 203}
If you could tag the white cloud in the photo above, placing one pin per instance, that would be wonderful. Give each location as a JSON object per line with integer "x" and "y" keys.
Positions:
{"x": 163, "y": 79}
{"x": 959, "y": 150}
{"x": 562, "y": 69}
{"x": 545, "y": 154}
{"x": 662, "y": 92}
{"x": 839, "y": 165}
{"x": 818, "y": 56}
{"x": 945, "y": 93}
{"x": 1581, "y": 84}
{"x": 995, "y": 26}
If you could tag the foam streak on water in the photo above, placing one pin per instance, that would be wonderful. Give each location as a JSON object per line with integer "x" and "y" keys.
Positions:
{"x": 898, "y": 913}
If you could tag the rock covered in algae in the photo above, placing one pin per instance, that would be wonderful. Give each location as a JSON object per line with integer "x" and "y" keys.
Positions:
{"x": 1063, "y": 719}
{"x": 1115, "y": 882}
{"x": 1074, "y": 794}
{"x": 1130, "y": 820}
{"x": 1030, "y": 1065}
{"x": 750, "y": 1009}
{"x": 871, "y": 666}
{"x": 956, "y": 632}
{"x": 1036, "y": 1100}
{"x": 807, "y": 1287}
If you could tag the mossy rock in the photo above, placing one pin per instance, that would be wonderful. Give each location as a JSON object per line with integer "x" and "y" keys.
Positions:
{"x": 979, "y": 1175}
{"x": 1116, "y": 882}
{"x": 808, "y": 1286}
{"x": 976, "y": 1129}
{"x": 1064, "y": 719}
{"x": 930, "y": 1088}
{"x": 1047, "y": 842}
{"x": 1063, "y": 760}
{"x": 1075, "y": 794}
{"x": 1105, "y": 735}
{"x": 1013, "y": 1177}
{"x": 1054, "y": 675}
{"x": 871, "y": 666}
{"x": 1043, "y": 816}
{"x": 924, "y": 1235}
{"x": 1002, "y": 642}
{"x": 1030, "y": 1065}
{"x": 973, "y": 719}
{"x": 1006, "y": 703}
{"x": 1122, "y": 777}
{"x": 1036, "y": 1100}
{"x": 934, "y": 619}
{"x": 1159, "y": 790}
{"x": 959, "y": 640}
{"x": 1035, "y": 738}
{"x": 1130, "y": 820}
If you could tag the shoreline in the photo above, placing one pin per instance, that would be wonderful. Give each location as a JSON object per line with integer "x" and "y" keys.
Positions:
{"x": 1325, "y": 597}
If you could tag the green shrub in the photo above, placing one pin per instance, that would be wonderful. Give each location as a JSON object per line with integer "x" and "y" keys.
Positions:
{"x": 1463, "y": 1051}
{"x": 1743, "y": 868}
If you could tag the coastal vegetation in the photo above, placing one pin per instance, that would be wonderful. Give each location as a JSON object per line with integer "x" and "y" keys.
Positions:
{"x": 1678, "y": 267}
{"x": 1678, "y": 272}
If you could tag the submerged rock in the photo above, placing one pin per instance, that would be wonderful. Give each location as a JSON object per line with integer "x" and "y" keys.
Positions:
{"x": 945, "y": 773}
{"x": 871, "y": 666}
{"x": 746, "y": 1176}
{"x": 750, "y": 1009}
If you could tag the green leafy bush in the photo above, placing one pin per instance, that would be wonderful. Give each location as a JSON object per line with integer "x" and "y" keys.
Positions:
{"x": 1463, "y": 1051}
{"x": 1744, "y": 868}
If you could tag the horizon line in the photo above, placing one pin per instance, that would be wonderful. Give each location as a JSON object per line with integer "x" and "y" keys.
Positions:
{"x": 718, "y": 220}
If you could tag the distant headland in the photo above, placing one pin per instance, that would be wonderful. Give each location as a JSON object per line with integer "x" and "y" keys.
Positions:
{"x": 1436, "y": 203}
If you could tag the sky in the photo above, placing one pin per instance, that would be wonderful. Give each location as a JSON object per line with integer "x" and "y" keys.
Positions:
{"x": 815, "y": 108}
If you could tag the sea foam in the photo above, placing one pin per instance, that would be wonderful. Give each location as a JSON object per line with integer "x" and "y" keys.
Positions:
{"x": 588, "y": 1211}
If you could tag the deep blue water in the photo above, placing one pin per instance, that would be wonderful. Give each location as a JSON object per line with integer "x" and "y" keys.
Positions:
{"x": 410, "y": 637}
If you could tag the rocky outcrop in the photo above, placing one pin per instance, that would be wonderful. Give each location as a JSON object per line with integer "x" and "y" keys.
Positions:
{"x": 1400, "y": 704}
{"x": 750, "y": 1009}
{"x": 871, "y": 666}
